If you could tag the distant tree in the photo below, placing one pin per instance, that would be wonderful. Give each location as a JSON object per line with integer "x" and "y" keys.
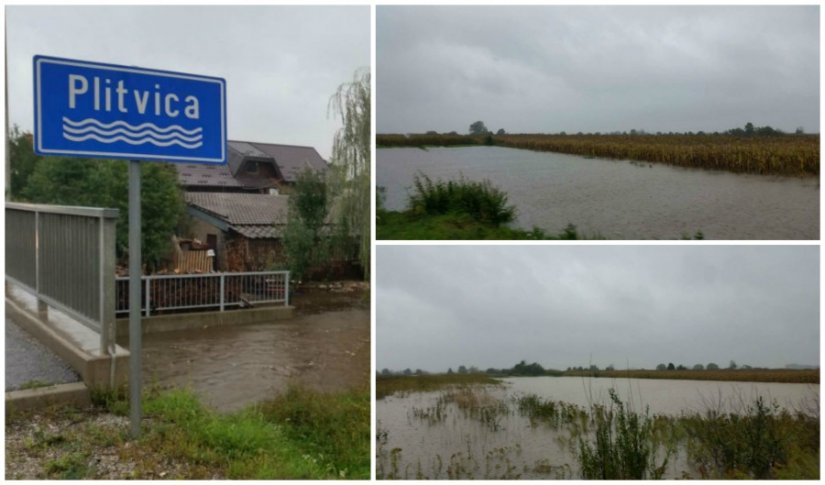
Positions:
{"x": 661, "y": 367}
{"x": 454, "y": 133}
{"x": 610, "y": 367}
{"x": 473, "y": 370}
{"x": 524, "y": 369}
{"x": 698, "y": 367}
{"x": 450, "y": 370}
{"x": 478, "y": 128}
{"x": 732, "y": 365}
{"x": 462, "y": 369}
{"x": 407, "y": 372}
{"x": 432, "y": 132}
{"x": 500, "y": 132}
{"x": 749, "y": 128}
{"x": 386, "y": 372}
{"x": 712, "y": 366}
{"x": 800, "y": 130}
{"x": 670, "y": 366}
{"x": 681, "y": 367}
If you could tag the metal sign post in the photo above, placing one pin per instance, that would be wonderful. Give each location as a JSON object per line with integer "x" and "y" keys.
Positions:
{"x": 94, "y": 110}
{"x": 135, "y": 273}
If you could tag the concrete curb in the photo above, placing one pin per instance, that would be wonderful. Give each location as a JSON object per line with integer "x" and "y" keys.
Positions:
{"x": 95, "y": 370}
{"x": 74, "y": 394}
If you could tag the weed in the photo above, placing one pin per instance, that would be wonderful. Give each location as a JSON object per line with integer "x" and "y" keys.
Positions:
{"x": 624, "y": 446}
{"x": 72, "y": 466}
{"x": 34, "y": 384}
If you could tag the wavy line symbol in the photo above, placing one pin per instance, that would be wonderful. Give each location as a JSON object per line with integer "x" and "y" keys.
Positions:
{"x": 92, "y": 129}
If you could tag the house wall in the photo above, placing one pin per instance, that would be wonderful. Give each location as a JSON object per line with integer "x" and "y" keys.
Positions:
{"x": 200, "y": 230}
{"x": 244, "y": 254}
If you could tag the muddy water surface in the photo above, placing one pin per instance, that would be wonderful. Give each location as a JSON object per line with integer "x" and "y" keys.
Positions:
{"x": 416, "y": 440}
{"x": 617, "y": 199}
{"x": 326, "y": 347}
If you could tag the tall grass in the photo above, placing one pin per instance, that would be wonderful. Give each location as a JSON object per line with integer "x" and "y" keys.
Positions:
{"x": 480, "y": 200}
{"x": 623, "y": 446}
{"x": 760, "y": 443}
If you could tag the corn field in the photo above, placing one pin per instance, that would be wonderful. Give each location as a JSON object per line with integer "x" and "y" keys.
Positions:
{"x": 788, "y": 155}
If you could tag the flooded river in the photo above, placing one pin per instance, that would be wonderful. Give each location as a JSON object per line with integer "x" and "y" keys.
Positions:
{"x": 326, "y": 347}
{"x": 421, "y": 437}
{"x": 617, "y": 199}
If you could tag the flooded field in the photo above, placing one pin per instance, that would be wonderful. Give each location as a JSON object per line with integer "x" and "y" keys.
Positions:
{"x": 617, "y": 199}
{"x": 326, "y": 347}
{"x": 501, "y": 431}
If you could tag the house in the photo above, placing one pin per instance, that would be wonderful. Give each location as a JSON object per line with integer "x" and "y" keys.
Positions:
{"x": 239, "y": 210}
{"x": 245, "y": 230}
{"x": 251, "y": 168}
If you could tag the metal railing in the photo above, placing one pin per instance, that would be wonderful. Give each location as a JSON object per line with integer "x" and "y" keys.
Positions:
{"x": 65, "y": 256}
{"x": 209, "y": 290}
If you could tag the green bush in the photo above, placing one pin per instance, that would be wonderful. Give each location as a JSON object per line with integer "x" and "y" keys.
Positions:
{"x": 479, "y": 200}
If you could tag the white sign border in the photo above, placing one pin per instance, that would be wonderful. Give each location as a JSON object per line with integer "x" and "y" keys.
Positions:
{"x": 38, "y": 60}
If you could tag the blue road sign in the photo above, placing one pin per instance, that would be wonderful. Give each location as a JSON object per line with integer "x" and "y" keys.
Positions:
{"x": 89, "y": 109}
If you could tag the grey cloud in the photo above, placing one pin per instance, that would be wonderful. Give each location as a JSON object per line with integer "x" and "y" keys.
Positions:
{"x": 550, "y": 68}
{"x": 491, "y": 306}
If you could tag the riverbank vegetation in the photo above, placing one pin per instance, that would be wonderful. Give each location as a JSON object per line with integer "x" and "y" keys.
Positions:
{"x": 613, "y": 440}
{"x": 456, "y": 209}
{"x": 386, "y": 385}
{"x": 301, "y": 434}
{"x": 756, "y": 151}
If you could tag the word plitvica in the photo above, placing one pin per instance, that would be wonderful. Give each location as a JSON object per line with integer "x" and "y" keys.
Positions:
{"x": 168, "y": 104}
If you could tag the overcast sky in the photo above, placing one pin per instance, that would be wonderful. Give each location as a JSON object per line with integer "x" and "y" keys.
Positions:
{"x": 630, "y": 306}
{"x": 281, "y": 64}
{"x": 552, "y": 68}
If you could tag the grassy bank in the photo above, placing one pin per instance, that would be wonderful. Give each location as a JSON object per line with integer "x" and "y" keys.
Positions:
{"x": 457, "y": 209}
{"x": 301, "y": 434}
{"x": 801, "y": 376}
{"x": 388, "y": 385}
{"x": 789, "y": 155}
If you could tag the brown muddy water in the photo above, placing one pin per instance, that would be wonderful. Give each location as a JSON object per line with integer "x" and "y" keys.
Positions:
{"x": 617, "y": 199}
{"x": 326, "y": 347}
{"x": 418, "y": 438}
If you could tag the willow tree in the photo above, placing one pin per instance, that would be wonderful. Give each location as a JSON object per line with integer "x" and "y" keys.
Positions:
{"x": 351, "y": 165}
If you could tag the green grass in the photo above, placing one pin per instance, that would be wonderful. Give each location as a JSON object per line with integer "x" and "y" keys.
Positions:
{"x": 389, "y": 385}
{"x": 301, "y": 434}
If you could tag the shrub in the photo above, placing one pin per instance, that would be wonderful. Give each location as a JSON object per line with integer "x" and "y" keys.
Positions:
{"x": 480, "y": 200}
